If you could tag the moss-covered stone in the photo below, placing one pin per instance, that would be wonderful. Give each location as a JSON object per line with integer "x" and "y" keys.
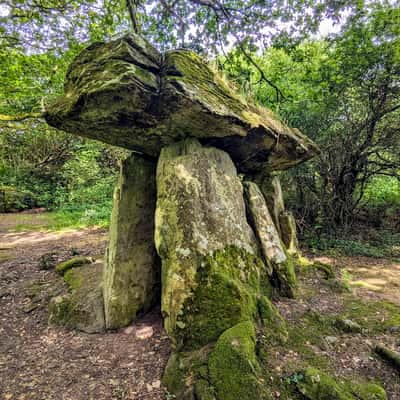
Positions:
{"x": 127, "y": 94}
{"x": 82, "y": 308}
{"x": 367, "y": 391}
{"x": 211, "y": 269}
{"x": 317, "y": 385}
{"x": 186, "y": 375}
{"x": 227, "y": 287}
{"x": 64, "y": 266}
{"x": 281, "y": 267}
{"x": 390, "y": 356}
{"x": 233, "y": 366}
{"x": 131, "y": 277}
{"x": 213, "y": 274}
{"x": 288, "y": 230}
{"x": 348, "y": 326}
{"x": 274, "y": 326}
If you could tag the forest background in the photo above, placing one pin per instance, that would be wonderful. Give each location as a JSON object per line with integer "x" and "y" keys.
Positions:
{"x": 329, "y": 68}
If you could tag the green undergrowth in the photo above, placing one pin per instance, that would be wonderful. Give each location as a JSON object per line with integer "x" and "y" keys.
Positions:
{"x": 374, "y": 316}
{"x": 64, "y": 218}
{"x": 384, "y": 244}
{"x": 82, "y": 217}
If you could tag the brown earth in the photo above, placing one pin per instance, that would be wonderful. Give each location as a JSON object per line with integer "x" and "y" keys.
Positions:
{"x": 38, "y": 362}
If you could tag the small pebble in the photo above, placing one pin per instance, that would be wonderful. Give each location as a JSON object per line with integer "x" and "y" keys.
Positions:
{"x": 145, "y": 332}
{"x": 156, "y": 384}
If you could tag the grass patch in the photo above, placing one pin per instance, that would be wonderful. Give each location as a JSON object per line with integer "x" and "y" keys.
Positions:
{"x": 374, "y": 316}
{"x": 384, "y": 244}
{"x": 63, "y": 218}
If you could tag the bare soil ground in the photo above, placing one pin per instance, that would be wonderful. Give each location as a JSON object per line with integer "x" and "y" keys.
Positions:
{"x": 38, "y": 362}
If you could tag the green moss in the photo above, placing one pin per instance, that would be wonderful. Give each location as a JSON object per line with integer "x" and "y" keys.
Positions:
{"x": 274, "y": 326}
{"x": 326, "y": 269}
{"x": 228, "y": 284}
{"x": 233, "y": 366}
{"x": 367, "y": 391}
{"x": 286, "y": 277}
{"x": 348, "y": 326}
{"x": 63, "y": 311}
{"x": 373, "y": 316}
{"x": 61, "y": 268}
{"x": 186, "y": 375}
{"x": 317, "y": 385}
{"x": 74, "y": 279}
{"x": 389, "y": 355}
{"x": 212, "y": 88}
{"x": 309, "y": 332}
{"x": 83, "y": 307}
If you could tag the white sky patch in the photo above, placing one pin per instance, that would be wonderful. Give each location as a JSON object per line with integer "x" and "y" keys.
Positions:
{"x": 4, "y": 10}
{"x": 328, "y": 27}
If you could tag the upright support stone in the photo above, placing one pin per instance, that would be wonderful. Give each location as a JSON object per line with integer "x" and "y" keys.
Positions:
{"x": 281, "y": 266}
{"x": 285, "y": 223}
{"x": 270, "y": 187}
{"x": 131, "y": 271}
{"x": 212, "y": 274}
{"x": 288, "y": 232}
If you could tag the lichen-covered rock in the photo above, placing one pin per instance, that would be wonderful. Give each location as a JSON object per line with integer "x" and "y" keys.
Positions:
{"x": 270, "y": 187}
{"x": 82, "y": 308}
{"x": 64, "y": 266}
{"x": 274, "y": 326}
{"x": 214, "y": 280}
{"x": 131, "y": 280}
{"x": 288, "y": 229}
{"x": 317, "y": 385}
{"x": 233, "y": 366}
{"x": 211, "y": 270}
{"x": 127, "y": 94}
{"x": 348, "y": 326}
{"x": 280, "y": 264}
{"x": 391, "y": 356}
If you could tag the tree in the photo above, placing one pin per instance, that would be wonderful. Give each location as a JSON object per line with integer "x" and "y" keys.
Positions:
{"x": 344, "y": 93}
{"x": 54, "y": 27}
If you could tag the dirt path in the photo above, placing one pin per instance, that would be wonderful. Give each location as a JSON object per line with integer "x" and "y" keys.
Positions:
{"x": 371, "y": 278}
{"x": 38, "y": 362}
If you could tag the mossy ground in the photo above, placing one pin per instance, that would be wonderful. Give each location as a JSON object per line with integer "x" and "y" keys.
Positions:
{"x": 315, "y": 340}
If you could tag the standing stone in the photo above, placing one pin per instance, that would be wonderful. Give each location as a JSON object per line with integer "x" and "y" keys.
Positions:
{"x": 270, "y": 187}
{"x": 131, "y": 273}
{"x": 284, "y": 221}
{"x": 205, "y": 243}
{"x": 281, "y": 266}
{"x": 288, "y": 232}
{"x": 212, "y": 273}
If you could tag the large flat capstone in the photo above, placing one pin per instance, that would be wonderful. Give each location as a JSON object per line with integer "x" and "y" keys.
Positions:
{"x": 127, "y": 94}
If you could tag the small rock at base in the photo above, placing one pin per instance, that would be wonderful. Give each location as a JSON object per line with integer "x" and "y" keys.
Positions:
{"x": 129, "y": 330}
{"x": 145, "y": 332}
{"x": 156, "y": 384}
{"x": 331, "y": 339}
